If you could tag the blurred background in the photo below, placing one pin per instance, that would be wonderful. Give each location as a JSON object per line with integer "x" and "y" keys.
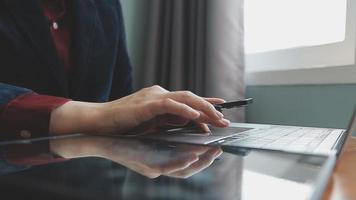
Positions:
{"x": 295, "y": 58}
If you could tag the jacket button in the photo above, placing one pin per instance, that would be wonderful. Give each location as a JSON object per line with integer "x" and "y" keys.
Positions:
{"x": 55, "y": 25}
{"x": 25, "y": 134}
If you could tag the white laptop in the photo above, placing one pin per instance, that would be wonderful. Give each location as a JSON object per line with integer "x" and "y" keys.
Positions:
{"x": 296, "y": 139}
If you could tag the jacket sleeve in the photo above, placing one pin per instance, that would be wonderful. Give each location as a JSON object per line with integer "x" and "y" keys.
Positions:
{"x": 122, "y": 77}
{"x": 24, "y": 115}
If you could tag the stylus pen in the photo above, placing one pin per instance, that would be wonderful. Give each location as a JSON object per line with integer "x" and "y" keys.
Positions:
{"x": 233, "y": 104}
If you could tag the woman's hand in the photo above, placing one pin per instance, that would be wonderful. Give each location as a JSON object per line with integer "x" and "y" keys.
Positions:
{"x": 147, "y": 109}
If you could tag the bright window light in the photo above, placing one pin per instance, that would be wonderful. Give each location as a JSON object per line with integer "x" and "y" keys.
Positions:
{"x": 283, "y": 24}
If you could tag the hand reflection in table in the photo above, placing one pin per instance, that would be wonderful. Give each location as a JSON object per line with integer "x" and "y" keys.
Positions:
{"x": 168, "y": 168}
{"x": 148, "y": 159}
{"x": 221, "y": 181}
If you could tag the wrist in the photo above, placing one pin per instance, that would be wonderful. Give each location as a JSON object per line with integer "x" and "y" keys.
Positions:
{"x": 75, "y": 117}
{"x": 78, "y": 147}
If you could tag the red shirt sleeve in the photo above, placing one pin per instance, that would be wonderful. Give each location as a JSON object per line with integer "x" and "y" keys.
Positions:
{"x": 26, "y": 117}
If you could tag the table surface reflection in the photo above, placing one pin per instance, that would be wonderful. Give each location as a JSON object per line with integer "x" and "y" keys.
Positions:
{"x": 134, "y": 169}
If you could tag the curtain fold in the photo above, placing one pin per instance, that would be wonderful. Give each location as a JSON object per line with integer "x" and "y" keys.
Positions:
{"x": 196, "y": 45}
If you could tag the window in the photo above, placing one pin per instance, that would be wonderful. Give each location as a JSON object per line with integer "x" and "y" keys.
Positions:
{"x": 283, "y": 24}
{"x": 284, "y": 35}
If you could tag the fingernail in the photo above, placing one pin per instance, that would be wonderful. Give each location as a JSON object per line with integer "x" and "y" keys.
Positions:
{"x": 195, "y": 114}
{"x": 219, "y": 114}
{"x": 218, "y": 153}
{"x": 190, "y": 158}
{"x": 225, "y": 122}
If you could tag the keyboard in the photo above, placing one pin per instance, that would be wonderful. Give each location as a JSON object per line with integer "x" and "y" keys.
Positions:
{"x": 301, "y": 139}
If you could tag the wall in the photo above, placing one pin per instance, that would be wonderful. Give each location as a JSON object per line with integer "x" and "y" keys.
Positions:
{"x": 306, "y": 105}
{"x": 135, "y": 12}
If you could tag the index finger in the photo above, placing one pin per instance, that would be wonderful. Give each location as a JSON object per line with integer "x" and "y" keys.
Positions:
{"x": 197, "y": 103}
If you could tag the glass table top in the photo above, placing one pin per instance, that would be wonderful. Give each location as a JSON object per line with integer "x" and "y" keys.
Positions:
{"x": 135, "y": 169}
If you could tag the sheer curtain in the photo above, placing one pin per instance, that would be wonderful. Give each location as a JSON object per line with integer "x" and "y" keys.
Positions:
{"x": 195, "y": 45}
